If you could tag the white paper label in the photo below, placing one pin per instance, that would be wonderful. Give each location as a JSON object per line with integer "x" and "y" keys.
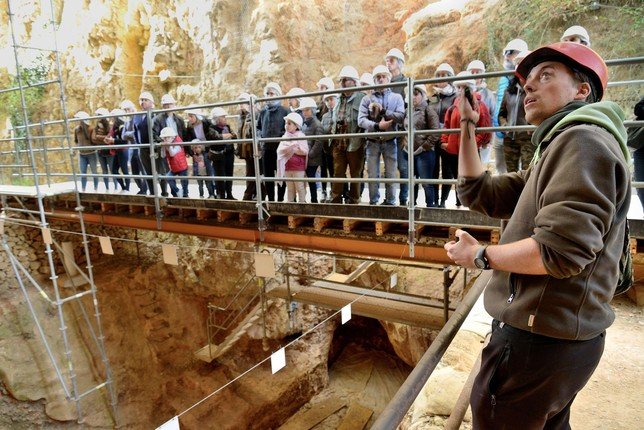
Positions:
{"x": 106, "y": 245}
{"x": 264, "y": 265}
{"x": 278, "y": 360}
{"x": 173, "y": 424}
{"x": 346, "y": 313}
{"x": 393, "y": 281}
{"x": 46, "y": 235}
{"x": 170, "y": 254}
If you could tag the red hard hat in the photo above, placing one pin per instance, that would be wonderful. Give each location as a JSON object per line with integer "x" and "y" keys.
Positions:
{"x": 573, "y": 55}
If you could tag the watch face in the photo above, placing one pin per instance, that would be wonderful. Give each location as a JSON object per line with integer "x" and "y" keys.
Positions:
{"x": 479, "y": 263}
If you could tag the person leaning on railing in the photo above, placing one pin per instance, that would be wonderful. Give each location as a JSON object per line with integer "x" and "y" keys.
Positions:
{"x": 222, "y": 156}
{"x": 330, "y": 101}
{"x": 312, "y": 126}
{"x": 200, "y": 128}
{"x": 245, "y": 150}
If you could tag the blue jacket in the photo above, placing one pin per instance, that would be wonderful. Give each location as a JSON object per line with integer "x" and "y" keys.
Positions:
{"x": 504, "y": 81}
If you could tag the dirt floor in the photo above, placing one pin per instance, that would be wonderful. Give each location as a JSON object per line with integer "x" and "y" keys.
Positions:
{"x": 612, "y": 399}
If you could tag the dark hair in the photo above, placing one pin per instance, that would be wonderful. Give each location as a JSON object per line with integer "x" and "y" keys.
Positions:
{"x": 582, "y": 77}
{"x": 639, "y": 109}
{"x": 512, "y": 86}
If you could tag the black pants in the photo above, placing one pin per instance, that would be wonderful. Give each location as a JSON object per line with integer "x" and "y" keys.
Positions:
{"x": 269, "y": 161}
{"x": 313, "y": 186}
{"x": 441, "y": 162}
{"x": 223, "y": 166}
{"x": 120, "y": 163}
{"x": 137, "y": 169}
{"x": 450, "y": 171}
{"x": 162, "y": 169}
{"x": 326, "y": 168}
{"x": 529, "y": 381}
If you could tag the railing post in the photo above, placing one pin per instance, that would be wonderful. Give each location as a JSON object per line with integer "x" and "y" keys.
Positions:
{"x": 44, "y": 152}
{"x": 153, "y": 167}
{"x": 258, "y": 177}
{"x": 411, "y": 205}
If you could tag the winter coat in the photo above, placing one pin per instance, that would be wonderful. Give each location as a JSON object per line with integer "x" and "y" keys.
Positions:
{"x": 287, "y": 148}
{"x": 512, "y": 112}
{"x": 159, "y": 123}
{"x": 100, "y": 132}
{"x": 440, "y": 103}
{"x": 83, "y": 137}
{"x": 208, "y": 131}
{"x": 327, "y": 128}
{"x": 176, "y": 157}
{"x": 568, "y": 203}
{"x": 218, "y": 150}
{"x": 453, "y": 120}
{"x": 350, "y": 125}
{"x": 399, "y": 90}
{"x": 392, "y": 108}
{"x": 245, "y": 131}
{"x": 312, "y": 126}
{"x": 271, "y": 124}
{"x": 425, "y": 118}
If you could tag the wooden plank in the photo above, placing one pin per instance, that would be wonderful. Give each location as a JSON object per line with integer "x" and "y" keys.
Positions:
{"x": 107, "y": 207}
{"x": 295, "y": 221}
{"x": 203, "y": 214}
{"x": 356, "y": 417}
{"x": 187, "y": 213}
{"x": 452, "y": 233}
{"x": 167, "y": 211}
{"x": 247, "y": 218}
{"x": 419, "y": 229}
{"x": 135, "y": 209}
{"x": 312, "y": 417}
{"x": 149, "y": 210}
{"x": 223, "y": 216}
{"x": 337, "y": 277}
{"x": 382, "y": 227}
{"x": 320, "y": 224}
{"x": 348, "y": 225}
{"x": 636, "y": 294}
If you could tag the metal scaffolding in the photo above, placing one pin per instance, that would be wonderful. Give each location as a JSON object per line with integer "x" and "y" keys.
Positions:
{"x": 66, "y": 372}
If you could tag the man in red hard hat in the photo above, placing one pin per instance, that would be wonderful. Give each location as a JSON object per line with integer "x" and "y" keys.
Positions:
{"x": 557, "y": 264}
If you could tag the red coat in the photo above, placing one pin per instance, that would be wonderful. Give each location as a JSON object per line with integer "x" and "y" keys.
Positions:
{"x": 178, "y": 162}
{"x": 453, "y": 120}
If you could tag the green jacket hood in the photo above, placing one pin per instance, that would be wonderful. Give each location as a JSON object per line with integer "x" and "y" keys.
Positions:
{"x": 606, "y": 114}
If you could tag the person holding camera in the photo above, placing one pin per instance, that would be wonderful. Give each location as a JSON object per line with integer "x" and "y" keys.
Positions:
{"x": 383, "y": 110}
{"x": 347, "y": 152}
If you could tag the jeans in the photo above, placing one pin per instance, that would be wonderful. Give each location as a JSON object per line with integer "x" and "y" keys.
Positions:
{"x": 120, "y": 163}
{"x": 85, "y": 160}
{"x": 106, "y": 166}
{"x": 313, "y": 186}
{"x": 440, "y": 165}
{"x": 389, "y": 152}
{"x": 423, "y": 168}
{"x": 173, "y": 184}
{"x": 403, "y": 169}
{"x": 499, "y": 154}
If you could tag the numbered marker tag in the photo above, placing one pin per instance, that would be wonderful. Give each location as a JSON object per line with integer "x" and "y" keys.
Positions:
{"x": 173, "y": 424}
{"x": 46, "y": 236}
{"x": 106, "y": 245}
{"x": 393, "y": 281}
{"x": 264, "y": 265}
{"x": 170, "y": 254}
{"x": 278, "y": 360}
{"x": 346, "y": 313}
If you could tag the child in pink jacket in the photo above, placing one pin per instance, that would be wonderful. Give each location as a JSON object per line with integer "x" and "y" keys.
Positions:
{"x": 292, "y": 158}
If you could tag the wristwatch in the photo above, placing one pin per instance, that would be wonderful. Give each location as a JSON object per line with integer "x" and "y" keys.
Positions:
{"x": 480, "y": 260}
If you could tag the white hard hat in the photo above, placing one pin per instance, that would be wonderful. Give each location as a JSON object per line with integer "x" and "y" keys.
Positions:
{"x": 328, "y": 96}
{"x": 146, "y": 95}
{"x": 195, "y": 112}
{"x": 444, "y": 67}
{"x": 366, "y": 78}
{"x": 463, "y": 82}
{"x": 167, "y": 99}
{"x": 349, "y": 72}
{"x": 244, "y": 96}
{"x": 117, "y": 112}
{"x": 577, "y": 30}
{"x": 127, "y": 104}
{"x": 167, "y": 132}
{"x": 327, "y": 82}
{"x": 308, "y": 102}
{"x": 81, "y": 114}
{"x": 516, "y": 45}
{"x": 274, "y": 86}
{"x": 295, "y": 118}
{"x": 295, "y": 91}
{"x": 381, "y": 70}
{"x": 102, "y": 112}
{"x": 217, "y": 112}
{"x": 396, "y": 53}
{"x": 421, "y": 87}
{"x": 476, "y": 64}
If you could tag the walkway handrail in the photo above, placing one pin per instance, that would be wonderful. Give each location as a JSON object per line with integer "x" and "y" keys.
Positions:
{"x": 397, "y": 408}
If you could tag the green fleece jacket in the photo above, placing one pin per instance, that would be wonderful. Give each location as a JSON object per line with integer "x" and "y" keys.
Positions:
{"x": 567, "y": 202}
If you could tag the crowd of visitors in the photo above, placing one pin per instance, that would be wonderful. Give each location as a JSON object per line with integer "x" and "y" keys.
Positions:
{"x": 346, "y": 112}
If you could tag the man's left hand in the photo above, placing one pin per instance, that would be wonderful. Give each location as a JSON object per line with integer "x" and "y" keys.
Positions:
{"x": 463, "y": 251}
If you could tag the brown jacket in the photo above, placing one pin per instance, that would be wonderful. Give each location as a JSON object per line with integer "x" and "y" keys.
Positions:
{"x": 567, "y": 202}
{"x": 83, "y": 137}
{"x": 425, "y": 118}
